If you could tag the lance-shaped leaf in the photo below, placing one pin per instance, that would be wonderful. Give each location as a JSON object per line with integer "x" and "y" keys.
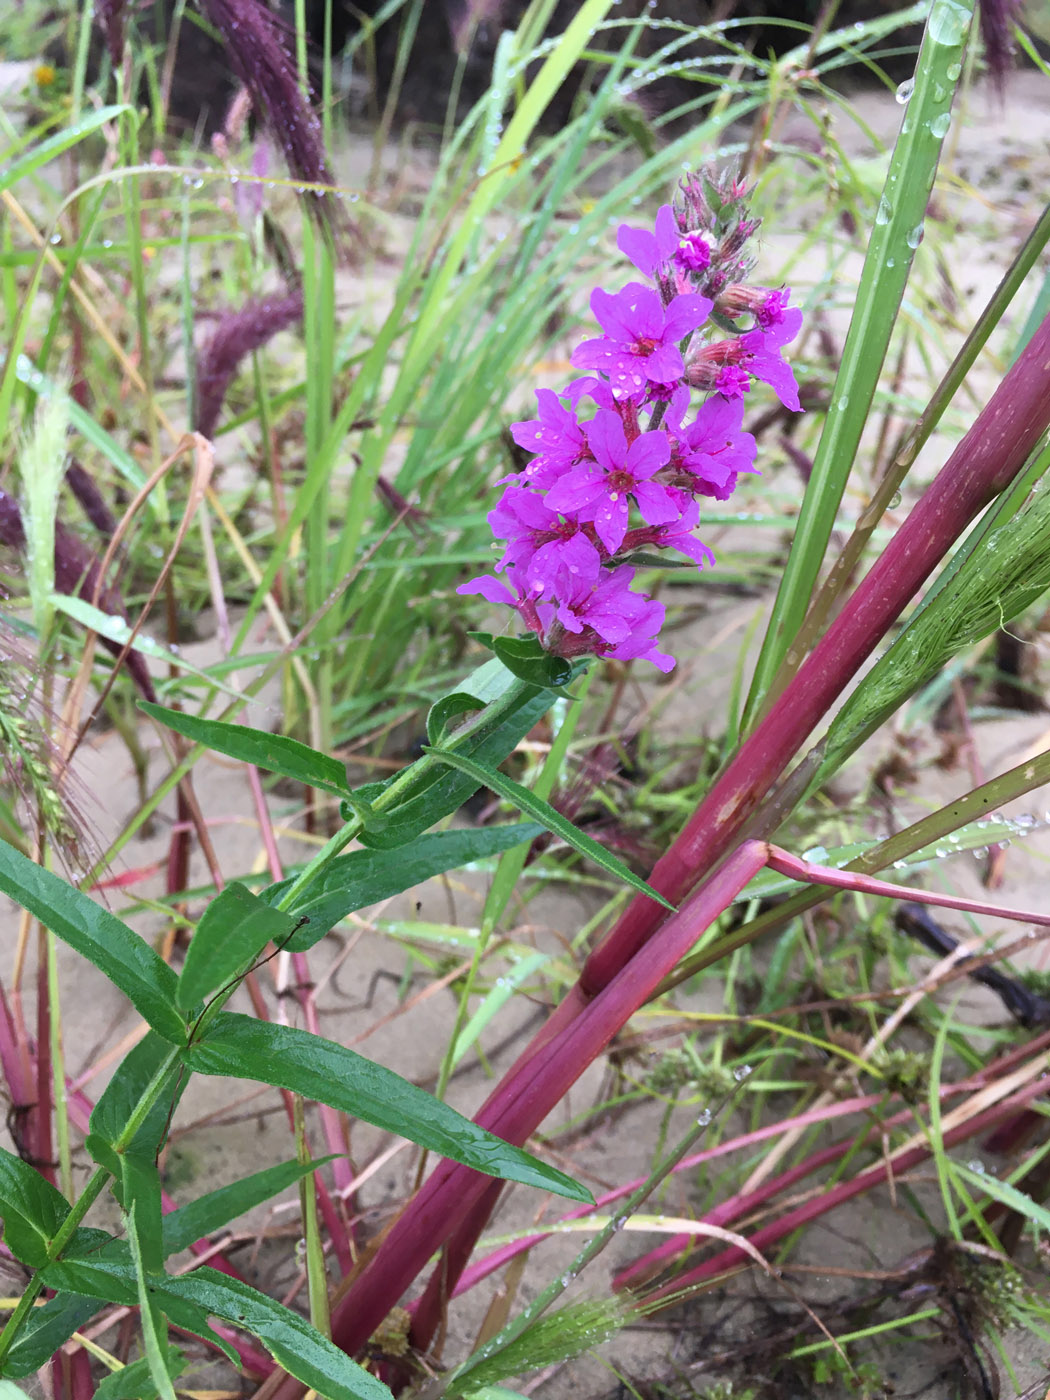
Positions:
{"x": 215, "y": 1209}
{"x": 273, "y": 752}
{"x": 369, "y": 876}
{"x": 544, "y": 813}
{"x": 320, "y": 1069}
{"x": 190, "y": 1299}
{"x": 118, "y": 952}
{"x": 31, "y": 1210}
{"x": 231, "y": 933}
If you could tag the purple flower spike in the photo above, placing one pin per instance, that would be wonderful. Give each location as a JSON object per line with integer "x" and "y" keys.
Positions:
{"x": 640, "y": 345}
{"x": 650, "y": 251}
{"x": 599, "y": 491}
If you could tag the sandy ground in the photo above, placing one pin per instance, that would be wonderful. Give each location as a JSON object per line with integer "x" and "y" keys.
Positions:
{"x": 1002, "y": 161}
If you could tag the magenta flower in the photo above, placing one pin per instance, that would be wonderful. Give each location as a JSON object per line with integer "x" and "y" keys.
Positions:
{"x": 730, "y": 365}
{"x": 494, "y": 590}
{"x": 609, "y": 619}
{"x": 650, "y": 251}
{"x": 759, "y": 354}
{"x": 713, "y": 449}
{"x": 555, "y": 436}
{"x": 732, "y": 382}
{"x": 640, "y": 345}
{"x": 773, "y": 308}
{"x": 693, "y": 253}
{"x": 599, "y": 491}
{"x": 541, "y": 548}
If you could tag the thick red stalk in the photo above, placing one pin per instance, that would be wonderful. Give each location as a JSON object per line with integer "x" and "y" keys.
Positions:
{"x": 451, "y": 1193}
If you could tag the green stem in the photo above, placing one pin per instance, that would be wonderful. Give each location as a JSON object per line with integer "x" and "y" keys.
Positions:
{"x": 85, "y": 1201}
{"x": 492, "y": 711}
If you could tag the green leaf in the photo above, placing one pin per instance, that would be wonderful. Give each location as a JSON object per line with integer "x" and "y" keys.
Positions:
{"x": 116, "y": 950}
{"x": 141, "y": 1182}
{"x": 31, "y": 1208}
{"x": 529, "y": 662}
{"x": 121, "y": 1096}
{"x": 212, "y": 1211}
{"x": 46, "y": 1329}
{"x": 320, "y": 1069}
{"x": 117, "y": 629}
{"x": 151, "y": 1316}
{"x": 1006, "y": 1193}
{"x": 134, "y": 1382}
{"x": 481, "y": 687}
{"x": 440, "y": 794}
{"x": 368, "y": 877}
{"x": 232, "y": 931}
{"x": 289, "y": 1338}
{"x": 545, "y": 814}
{"x": 109, "y": 1275}
{"x": 273, "y": 752}
{"x": 68, "y": 136}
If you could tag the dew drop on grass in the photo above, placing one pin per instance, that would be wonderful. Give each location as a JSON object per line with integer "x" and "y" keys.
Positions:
{"x": 905, "y": 91}
{"x": 947, "y": 23}
{"x": 741, "y": 1073}
{"x": 703, "y": 1118}
{"x": 883, "y": 212}
{"x": 976, "y": 1165}
{"x": 620, "y": 1222}
{"x": 953, "y": 72}
{"x": 939, "y": 126}
{"x": 914, "y": 237}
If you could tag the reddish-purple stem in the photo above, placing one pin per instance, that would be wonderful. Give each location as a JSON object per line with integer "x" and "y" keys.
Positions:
{"x": 452, "y": 1192}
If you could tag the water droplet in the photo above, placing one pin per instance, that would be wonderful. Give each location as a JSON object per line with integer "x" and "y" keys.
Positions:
{"x": 914, "y": 237}
{"x": 883, "y": 212}
{"x": 953, "y": 72}
{"x": 741, "y": 1073}
{"x": 895, "y": 501}
{"x": 947, "y": 22}
{"x": 939, "y": 126}
{"x": 619, "y": 1222}
{"x": 703, "y": 1118}
{"x": 976, "y": 1165}
{"x": 905, "y": 91}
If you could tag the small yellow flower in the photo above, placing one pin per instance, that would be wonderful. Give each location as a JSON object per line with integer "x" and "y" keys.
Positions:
{"x": 44, "y": 75}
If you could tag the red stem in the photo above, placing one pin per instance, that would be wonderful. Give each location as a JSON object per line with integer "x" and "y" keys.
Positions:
{"x": 450, "y": 1195}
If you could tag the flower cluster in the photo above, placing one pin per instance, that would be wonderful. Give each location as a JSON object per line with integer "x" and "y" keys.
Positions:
{"x": 617, "y": 465}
